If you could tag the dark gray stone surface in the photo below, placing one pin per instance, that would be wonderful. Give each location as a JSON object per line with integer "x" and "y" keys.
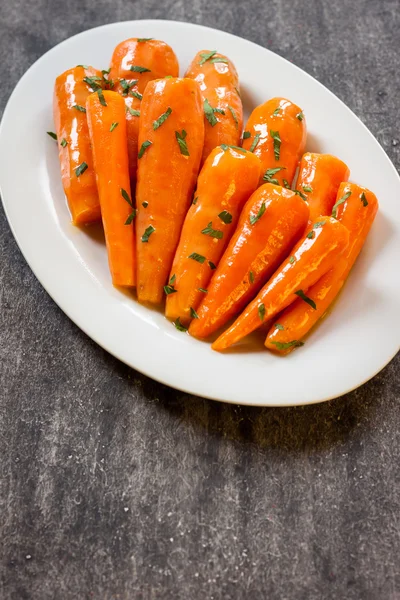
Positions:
{"x": 113, "y": 486}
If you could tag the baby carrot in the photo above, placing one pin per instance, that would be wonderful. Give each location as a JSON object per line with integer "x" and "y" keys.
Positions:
{"x": 276, "y": 132}
{"x": 271, "y": 223}
{"x": 227, "y": 179}
{"x": 356, "y": 208}
{"x": 107, "y": 128}
{"x": 313, "y": 256}
{"x": 171, "y": 136}
{"x": 318, "y": 181}
{"x": 70, "y": 92}
{"x": 219, "y": 86}
{"x": 134, "y": 63}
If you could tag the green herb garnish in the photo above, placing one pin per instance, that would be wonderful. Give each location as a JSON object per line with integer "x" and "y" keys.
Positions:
{"x": 137, "y": 69}
{"x": 148, "y": 231}
{"x": 162, "y": 118}
{"x": 143, "y": 148}
{"x": 338, "y": 203}
{"x": 279, "y": 326}
{"x": 226, "y": 217}
{"x": 251, "y": 277}
{"x": 172, "y": 280}
{"x": 198, "y": 257}
{"x": 300, "y": 116}
{"x": 52, "y": 135}
{"x": 238, "y": 148}
{"x": 232, "y": 110}
{"x": 193, "y": 313}
{"x": 287, "y": 345}
{"x": 169, "y": 289}
{"x": 203, "y": 290}
{"x": 209, "y": 113}
{"x": 179, "y": 325}
{"x": 133, "y": 112}
{"x": 307, "y": 188}
{"x": 127, "y": 85}
{"x": 286, "y": 184}
{"x": 80, "y": 108}
{"x": 319, "y": 224}
{"x": 254, "y": 218}
{"x": 211, "y": 265}
{"x": 81, "y": 169}
{"x": 276, "y": 112}
{"x": 126, "y": 197}
{"x": 302, "y": 196}
{"x": 181, "y": 139}
{"x": 309, "y": 301}
{"x": 255, "y": 142}
{"x": 261, "y": 311}
{"x": 363, "y": 199}
{"x": 136, "y": 95}
{"x": 144, "y": 39}
{"x": 218, "y": 60}
{"x": 84, "y": 66}
{"x": 63, "y": 143}
{"x": 114, "y": 125}
{"x": 92, "y": 82}
{"x": 194, "y": 201}
{"x": 269, "y": 173}
{"x": 277, "y": 143}
{"x": 205, "y": 56}
{"x": 311, "y": 235}
{"x": 101, "y": 97}
{"x": 246, "y": 135}
{"x": 214, "y": 233}
{"x": 292, "y": 259}
{"x": 145, "y": 204}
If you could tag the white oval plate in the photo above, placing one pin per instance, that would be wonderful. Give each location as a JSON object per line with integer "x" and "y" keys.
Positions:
{"x": 353, "y": 344}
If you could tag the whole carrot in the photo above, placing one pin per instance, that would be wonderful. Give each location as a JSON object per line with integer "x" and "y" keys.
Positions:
{"x": 134, "y": 63}
{"x": 276, "y": 132}
{"x": 223, "y": 110}
{"x": 227, "y": 179}
{"x": 313, "y": 256}
{"x": 78, "y": 178}
{"x": 107, "y": 128}
{"x": 320, "y": 176}
{"x": 356, "y": 208}
{"x": 171, "y": 136}
{"x": 271, "y": 223}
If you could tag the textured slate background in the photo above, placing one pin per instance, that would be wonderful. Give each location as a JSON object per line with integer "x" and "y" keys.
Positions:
{"x": 113, "y": 486}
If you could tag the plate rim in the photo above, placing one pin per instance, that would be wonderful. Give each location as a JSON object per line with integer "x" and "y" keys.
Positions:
{"x": 93, "y": 335}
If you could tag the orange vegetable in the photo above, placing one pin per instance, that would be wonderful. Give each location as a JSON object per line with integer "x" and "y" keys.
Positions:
{"x": 151, "y": 59}
{"x": 276, "y": 132}
{"x": 223, "y": 110}
{"x": 77, "y": 173}
{"x": 226, "y": 181}
{"x": 254, "y": 253}
{"x": 313, "y": 256}
{"x": 171, "y": 137}
{"x": 319, "y": 178}
{"x": 357, "y": 213}
{"x": 107, "y": 128}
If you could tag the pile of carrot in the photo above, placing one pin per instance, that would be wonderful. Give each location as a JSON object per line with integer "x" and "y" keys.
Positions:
{"x": 199, "y": 212}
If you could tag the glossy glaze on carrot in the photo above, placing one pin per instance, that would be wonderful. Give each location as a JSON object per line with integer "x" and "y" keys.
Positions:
{"x": 357, "y": 213}
{"x": 150, "y": 59}
{"x": 77, "y": 173}
{"x": 229, "y": 176}
{"x": 107, "y": 129}
{"x": 311, "y": 258}
{"x": 255, "y": 251}
{"x": 276, "y": 132}
{"x": 223, "y": 110}
{"x": 171, "y": 137}
{"x": 319, "y": 178}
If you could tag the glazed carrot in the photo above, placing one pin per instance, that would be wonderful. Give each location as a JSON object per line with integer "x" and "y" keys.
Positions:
{"x": 320, "y": 176}
{"x": 171, "y": 136}
{"x": 107, "y": 129}
{"x": 276, "y": 132}
{"x": 70, "y": 92}
{"x": 219, "y": 86}
{"x": 257, "y": 248}
{"x": 357, "y": 213}
{"x": 313, "y": 256}
{"x": 134, "y": 63}
{"x": 227, "y": 179}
